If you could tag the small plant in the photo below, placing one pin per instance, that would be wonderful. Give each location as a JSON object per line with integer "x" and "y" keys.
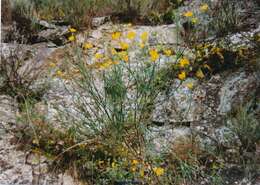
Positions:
{"x": 246, "y": 127}
{"x": 16, "y": 80}
{"x": 232, "y": 16}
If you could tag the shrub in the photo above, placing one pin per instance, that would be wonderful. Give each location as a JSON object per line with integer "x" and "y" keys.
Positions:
{"x": 16, "y": 80}
{"x": 246, "y": 127}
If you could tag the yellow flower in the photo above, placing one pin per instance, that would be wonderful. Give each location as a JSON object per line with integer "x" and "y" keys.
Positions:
{"x": 207, "y": 66}
{"x": 113, "y": 165}
{"x": 194, "y": 20}
{"x": 131, "y": 35}
{"x": 189, "y": 85}
{"x": 116, "y": 62}
{"x": 133, "y": 168}
{"x": 124, "y": 45}
{"x": 158, "y": 171}
{"x": 141, "y": 45}
{"x": 184, "y": 62}
{"x": 154, "y": 55}
{"x": 126, "y": 58}
{"x": 144, "y": 36}
{"x": 182, "y": 75}
{"x": 188, "y": 14}
{"x": 200, "y": 74}
{"x": 123, "y": 55}
{"x": 167, "y": 52}
{"x": 113, "y": 51}
{"x": 204, "y": 7}
{"x": 105, "y": 65}
{"x": 72, "y": 30}
{"x": 100, "y": 163}
{"x": 88, "y": 46}
{"x": 116, "y": 35}
{"x": 98, "y": 56}
{"x": 59, "y": 73}
{"x": 51, "y": 64}
{"x": 72, "y": 38}
{"x": 134, "y": 162}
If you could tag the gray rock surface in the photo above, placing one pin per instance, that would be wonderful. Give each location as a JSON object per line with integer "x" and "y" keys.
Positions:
{"x": 208, "y": 101}
{"x": 98, "y": 21}
{"x": 19, "y": 167}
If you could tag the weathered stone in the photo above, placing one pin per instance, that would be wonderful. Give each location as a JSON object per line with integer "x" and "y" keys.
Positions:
{"x": 162, "y": 138}
{"x": 208, "y": 102}
{"x": 56, "y": 35}
{"x": 237, "y": 88}
{"x": 18, "y": 167}
{"x": 98, "y": 21}
{"x": 45, "y": 24}
{"x": 8, "y": 109}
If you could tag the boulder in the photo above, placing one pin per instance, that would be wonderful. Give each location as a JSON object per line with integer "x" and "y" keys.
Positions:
{"x": 208, "y": 102}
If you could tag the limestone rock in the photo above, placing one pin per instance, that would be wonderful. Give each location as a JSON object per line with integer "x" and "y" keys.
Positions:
{"x": 98, "y": 21}
{"x": 208, "y": 101}
{"x": 19, "y": 167}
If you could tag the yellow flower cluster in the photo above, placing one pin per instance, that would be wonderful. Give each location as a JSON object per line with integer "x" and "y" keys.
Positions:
{"x": 189, "y": 14}
{"x": 72, "y": 37}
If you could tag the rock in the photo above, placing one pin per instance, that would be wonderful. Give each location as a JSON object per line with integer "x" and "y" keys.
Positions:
{"x": 45, "y": 24}
{"x": 208, "y": 102}
{"x": 32, "y": 62}
{"x": 20, "y": 50}
{"x": 57, "y": 35}
{"x": 98, "y": 21}
{"x": 178, "y": 105}
{"x": 237, "y": 89}
{"x": 96, "y": 34}
{"x": 164, "y": 137}
{"x": 5, "y": 30}
{"x": 16, "y": 170}
{"x": 18, "y": 167}
{"x": 8, "y": 109}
